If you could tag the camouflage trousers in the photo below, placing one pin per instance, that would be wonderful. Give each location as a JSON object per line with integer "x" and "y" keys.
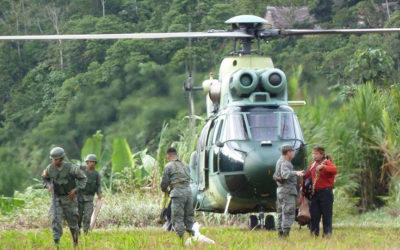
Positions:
{"x": 64, "y": 208}
{"x": 85, "y": 207}
{"x": 286, "y": 209}
{"x": 182, "y": 214}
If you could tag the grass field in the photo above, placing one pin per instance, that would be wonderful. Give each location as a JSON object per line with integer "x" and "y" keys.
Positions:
{"x": 225, "y": 238}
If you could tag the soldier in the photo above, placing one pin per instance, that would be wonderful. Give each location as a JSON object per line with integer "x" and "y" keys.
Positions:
{"x": 64, "y": 180}
{"x": 176, "y": 175}
{"x": 286, "y": 192}
{"x": 85, "y": 197}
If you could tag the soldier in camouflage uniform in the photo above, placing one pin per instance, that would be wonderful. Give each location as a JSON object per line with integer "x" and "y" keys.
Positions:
{"x": 64, "y": 180}
{"x": 85, "y": 197}
{"x": 286, "y": 192}
{"x": 176, "y": 175}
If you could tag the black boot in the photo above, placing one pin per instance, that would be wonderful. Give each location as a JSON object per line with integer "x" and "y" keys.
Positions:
{"x": 286, "y": 234}
{"x": 280, "y": 234}
{"x": 75, "y": 235}
{"x": 191, "y": 233}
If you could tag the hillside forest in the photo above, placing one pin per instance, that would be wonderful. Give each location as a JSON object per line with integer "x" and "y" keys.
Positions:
{"x": 128, "y": 94}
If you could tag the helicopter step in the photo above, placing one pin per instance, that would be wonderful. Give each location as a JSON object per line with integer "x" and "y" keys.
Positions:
{"x": 259, "y": 222}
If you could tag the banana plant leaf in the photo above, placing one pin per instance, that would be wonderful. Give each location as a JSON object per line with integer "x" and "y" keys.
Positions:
{"x": 122, "y": 156}
{"x": 93, "y": 146}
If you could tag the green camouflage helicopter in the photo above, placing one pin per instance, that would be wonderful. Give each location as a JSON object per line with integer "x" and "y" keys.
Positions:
{"x": 249, "y": 119}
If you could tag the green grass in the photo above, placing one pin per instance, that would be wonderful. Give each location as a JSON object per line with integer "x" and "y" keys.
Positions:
{"x": 225, "y": 238}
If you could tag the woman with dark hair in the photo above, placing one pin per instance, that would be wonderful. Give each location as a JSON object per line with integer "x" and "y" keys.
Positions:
{"x": 323, "y": 173}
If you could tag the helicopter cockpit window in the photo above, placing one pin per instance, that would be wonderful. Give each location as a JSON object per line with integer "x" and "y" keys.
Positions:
{"x": 297, "y": 128}
{"x": 217, "y": 131}
{"x": 287, "y": 128}
{"x": 211, "y": 133}
{"x": 271, "y": 126}
{"x": 263, "y": 126}
{"x": 235, "y": 128}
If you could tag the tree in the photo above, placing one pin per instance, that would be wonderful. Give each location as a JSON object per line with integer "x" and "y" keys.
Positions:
{"x": 322, "y": 10}
{"x": 53, "y": 14}
{"x": 370, "y": 65}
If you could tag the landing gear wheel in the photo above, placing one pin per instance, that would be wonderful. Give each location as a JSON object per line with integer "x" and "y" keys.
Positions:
{"x": 270, "y": 222}
{"x": 253, "y": 222}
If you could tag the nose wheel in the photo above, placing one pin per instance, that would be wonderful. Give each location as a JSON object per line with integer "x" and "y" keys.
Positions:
{"x": 255, "y": 222}
{"x": 269, "y": 222}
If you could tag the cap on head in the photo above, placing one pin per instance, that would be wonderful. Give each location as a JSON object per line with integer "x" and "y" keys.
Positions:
{"x": 286, "y": 148}
{"x": 91, "y": 157}
{"x": 319, "y": 149}
{"x": 57, "y": 153}
{"x": 171, "y": 151}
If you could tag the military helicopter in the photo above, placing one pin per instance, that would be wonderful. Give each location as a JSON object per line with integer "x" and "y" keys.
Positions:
{"x": 249, "y": 119}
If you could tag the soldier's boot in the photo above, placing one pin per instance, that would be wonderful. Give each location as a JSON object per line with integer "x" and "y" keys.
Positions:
{"x": 57, "y": 243}
{"x": 286, "y": 234}
{"x": 280, "y": 235}
{"x": 191, "y": 233}
{"x": 75, "y": 236}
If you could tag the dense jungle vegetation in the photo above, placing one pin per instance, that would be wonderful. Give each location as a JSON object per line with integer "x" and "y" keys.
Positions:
{"x": 123, "y": 92}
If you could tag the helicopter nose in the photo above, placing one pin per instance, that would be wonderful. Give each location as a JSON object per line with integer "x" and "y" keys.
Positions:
{"x": 259, "y": 168}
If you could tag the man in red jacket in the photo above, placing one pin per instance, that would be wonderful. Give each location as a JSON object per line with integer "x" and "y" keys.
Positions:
{"x": 323, "y": 174}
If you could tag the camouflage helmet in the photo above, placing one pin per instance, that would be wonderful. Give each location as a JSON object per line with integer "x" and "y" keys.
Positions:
{"x": 57, "y": 153}
{"x": 91, "y": 157}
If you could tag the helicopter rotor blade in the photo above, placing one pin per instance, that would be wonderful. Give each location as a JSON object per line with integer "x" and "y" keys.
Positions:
{"x": 293, "y": 32}
{"x": 209, "y": 34}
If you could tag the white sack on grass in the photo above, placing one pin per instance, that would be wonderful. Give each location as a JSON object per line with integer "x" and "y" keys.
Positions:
{"x": 198, "y": 237}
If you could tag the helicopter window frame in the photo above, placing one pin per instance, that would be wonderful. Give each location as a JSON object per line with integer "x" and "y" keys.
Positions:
{"x": 217, "y": 136}
{"x": 202, "y": 143}
{"x": 211, "y": 132}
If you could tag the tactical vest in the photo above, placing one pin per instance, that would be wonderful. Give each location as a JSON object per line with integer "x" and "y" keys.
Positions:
{"x": 63, "y": 180}
{"x": 91, "y": 184}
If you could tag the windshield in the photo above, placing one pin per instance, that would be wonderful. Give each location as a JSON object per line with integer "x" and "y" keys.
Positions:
{"x": 235, "y": 128}
{"x": 271, "y": 126}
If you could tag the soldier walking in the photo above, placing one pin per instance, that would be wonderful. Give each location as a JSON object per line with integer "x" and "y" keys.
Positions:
{"x": 286, "y": 193}
{"x": 176, "y": 175}
{"x": 63, "y": 180}
{"x": 85, "y": 197}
